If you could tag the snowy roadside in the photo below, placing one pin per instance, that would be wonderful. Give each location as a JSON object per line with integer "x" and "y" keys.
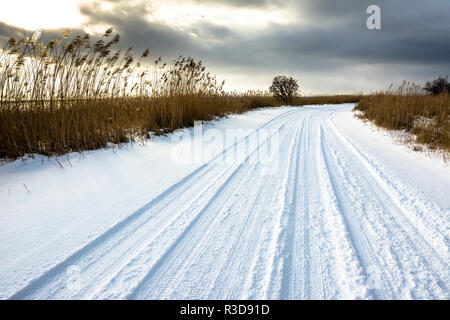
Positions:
{"x": 346, "y": 213}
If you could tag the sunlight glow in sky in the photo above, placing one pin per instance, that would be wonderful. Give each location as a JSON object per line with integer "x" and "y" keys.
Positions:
{"x": 41, "y": 14}
{"x": 186, "y": 14}
{"x": 52, "y": 14}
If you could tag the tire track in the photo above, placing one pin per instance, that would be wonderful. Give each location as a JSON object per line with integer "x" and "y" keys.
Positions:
{"x": 53, "y": 280}
{"x": 293, "y": 282}
{"x": 259, "y": 281}
{"x": 367, "y": 257}
{"x": 248, "y": 245}
{"x": 322, "y": 227}
{"x": 173, "y": 259}
{"x": 436, "y": 231}
{"x": 342, "y": 262}
{"x": 431, "y": 237}
{"x": 401, "y": 231}
{"x": 283, "y": 249}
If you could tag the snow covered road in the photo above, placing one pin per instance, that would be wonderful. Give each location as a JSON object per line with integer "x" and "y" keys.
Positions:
{"x": 346, "y": 215}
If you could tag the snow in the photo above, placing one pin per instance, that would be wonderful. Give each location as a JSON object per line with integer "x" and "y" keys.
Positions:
{"x": 341, "y": 212}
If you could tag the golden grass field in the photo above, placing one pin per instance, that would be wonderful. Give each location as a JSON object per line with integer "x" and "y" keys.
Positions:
{"x": 425, "y": 117}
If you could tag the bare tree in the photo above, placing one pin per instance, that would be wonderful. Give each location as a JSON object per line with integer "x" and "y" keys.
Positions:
{"x": 284, "y": 88}
{"x": 438, "y": 86}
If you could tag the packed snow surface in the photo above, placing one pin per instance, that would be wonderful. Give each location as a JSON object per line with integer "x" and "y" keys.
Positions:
{"x": 344, "y": 214}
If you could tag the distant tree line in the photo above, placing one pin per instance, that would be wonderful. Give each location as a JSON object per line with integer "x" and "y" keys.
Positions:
{"x": 286, "y": 88}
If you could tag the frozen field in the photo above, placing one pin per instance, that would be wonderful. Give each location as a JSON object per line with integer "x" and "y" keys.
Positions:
{"x": 341, "y": 212}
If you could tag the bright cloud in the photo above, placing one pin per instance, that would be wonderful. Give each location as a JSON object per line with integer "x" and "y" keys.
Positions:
{"x": 41, "y": 14}
{"x": 186, "y": 14}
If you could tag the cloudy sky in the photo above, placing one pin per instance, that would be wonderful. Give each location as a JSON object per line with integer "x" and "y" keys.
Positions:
{"x": 324, "y": 43}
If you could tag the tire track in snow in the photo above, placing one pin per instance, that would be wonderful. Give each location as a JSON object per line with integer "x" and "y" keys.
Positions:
{"x": 366, "y": 256}
{"x": 433, "y": 222}
{"x": 295, "y": 265}
{"x": 317, "y": 230}
{"x": 401, "y": 232}
{"x": 321, "y": 280}
{"x": 342, "y": 262}
{"x": 160, "y": 279}
{"x": 51, "y": 283}
{"x": 283, "y": 248}
{"x": 258, "y": 284}
{"x": 436, "y": 239}
{"x": 236, "y": 269}
{"x": 253, "y": 270}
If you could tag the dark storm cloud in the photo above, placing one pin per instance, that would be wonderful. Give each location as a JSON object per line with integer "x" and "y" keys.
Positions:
{"x": 329, "y": 38}
{"x": 8, "y": 31}
{"x": 135, "y": 31}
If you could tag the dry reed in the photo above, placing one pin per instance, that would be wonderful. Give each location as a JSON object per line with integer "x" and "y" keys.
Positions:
{"x": 425, "y": 118}
{"x": 76, "y": 94}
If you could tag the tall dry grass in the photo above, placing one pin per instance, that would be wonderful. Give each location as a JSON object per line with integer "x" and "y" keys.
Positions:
{"x": 327, "y": 99}
{"x": 76, "y": 93}
{"x": 82, "y": 125}
{"x": 426, "y": 118}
